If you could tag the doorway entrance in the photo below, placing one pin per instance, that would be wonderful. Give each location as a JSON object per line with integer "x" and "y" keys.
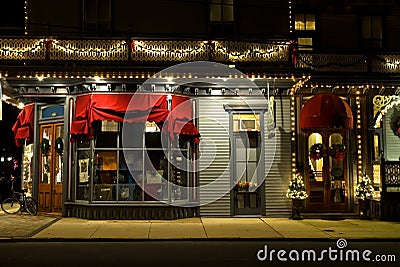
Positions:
{"x": 326, "y": 171}
{"x": 50, "y": 167}
{"x": 247, "y": 171}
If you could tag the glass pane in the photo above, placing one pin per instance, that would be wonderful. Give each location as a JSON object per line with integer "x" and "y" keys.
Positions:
{"x": 131, "y": 168}
{"x": 83, "y": 175}
{"x": 90, "y": 9}
{"x": 179, "y": 177}
{"x": 246, "y": 122}
{"x": 227, "y": 13}
{"x": 215, "y": 12}
{"x": 105, "y": 134}
{"x": 299, "y": 22}
{"x": 27, "y": 168}
{"x": 59, "y": 149}
{"x": 315, "y": 158}
{"x": 128, "y": 189}
{"x": 103, "y": 9}
{"x": 46, "y": 150}
{"x": 310, "y": 22}
{"x": 305, "y": 43}
{"x": 153, "y": 174}
{"x": 132, "y": 135}
{"x": 105, "y": 176}
{"x": 366, "y": 27}
{"x": 377, "y": 150}
{"x": 376, "y": 29}
{"x": 153, "y": 140}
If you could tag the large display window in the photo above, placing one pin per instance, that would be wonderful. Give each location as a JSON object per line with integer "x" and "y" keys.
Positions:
{"x": 137, "y": 172}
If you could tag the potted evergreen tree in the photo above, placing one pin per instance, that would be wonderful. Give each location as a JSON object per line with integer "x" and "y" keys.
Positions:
{"x": 297, "y": 192}
{"x": 364, "y": 192}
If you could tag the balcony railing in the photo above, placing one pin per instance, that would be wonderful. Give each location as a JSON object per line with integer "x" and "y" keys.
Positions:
{"x": 31, "y": 49}
{"x": 336, "y": 62}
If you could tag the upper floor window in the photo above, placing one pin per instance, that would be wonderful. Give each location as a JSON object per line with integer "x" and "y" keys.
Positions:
{"x": 371, "y": 31}
{"x": 305, "y": 28}
{"x": 97, "y": 15}
{"x": 221, "y": 10}
{"x": 304, "y": 22}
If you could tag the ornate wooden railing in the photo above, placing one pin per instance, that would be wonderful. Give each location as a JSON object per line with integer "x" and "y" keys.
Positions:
{"x": 390, "y": 195}
{"x": 31, "y": 49}
{"x": 337, "y": 62}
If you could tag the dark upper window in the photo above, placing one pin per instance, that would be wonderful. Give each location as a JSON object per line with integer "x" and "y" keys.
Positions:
{"x": 96, "y": 15}
{"x": 371, "y": 31}
{"x": 222, "y": 18}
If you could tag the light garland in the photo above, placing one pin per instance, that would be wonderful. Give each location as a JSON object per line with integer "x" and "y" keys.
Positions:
{"x": 163, "y": 49}
{"x": 290, "y": 17}
{"x": 10, "y": 50}
{"x": 394, "y": 101}
{"x": 251, "y": 52}
{"x": 359, "y": 138}
{"x": 88, "y": 51}
{"x": 293, "y": 130}
{"x": 26, "y": 17}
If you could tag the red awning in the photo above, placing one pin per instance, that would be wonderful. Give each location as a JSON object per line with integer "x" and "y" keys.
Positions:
{"x": 326, "y": 111}
{"x": 129, "y": 107}
{"x": 23, "y": 127}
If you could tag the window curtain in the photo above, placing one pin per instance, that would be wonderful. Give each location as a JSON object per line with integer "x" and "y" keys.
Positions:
{"x": 23, "y": 127}
{"x": 133, "y": 108}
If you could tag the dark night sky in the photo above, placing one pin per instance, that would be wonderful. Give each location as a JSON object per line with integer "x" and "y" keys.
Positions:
{"x": 13, "y": 15}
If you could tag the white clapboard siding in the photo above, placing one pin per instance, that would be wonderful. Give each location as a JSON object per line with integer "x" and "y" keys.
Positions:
{"x": 392, "y": 141}
{"x": 278, "y": 176}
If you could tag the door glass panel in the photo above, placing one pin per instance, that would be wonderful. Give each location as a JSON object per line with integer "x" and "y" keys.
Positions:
{"x": 45, "y": 150}
{"x": 315, "y": 158}
{"x": 59, "y": 149}
{"x": 337, "y": 152}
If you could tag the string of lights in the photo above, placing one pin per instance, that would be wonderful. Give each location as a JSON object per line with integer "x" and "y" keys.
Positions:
{"x": 71, "y": 48}
{"x": 253, "y": 52}
{"x": 9, "y": 49}
{"x": 26, "y": 18}
{"x": 160, "y": 48}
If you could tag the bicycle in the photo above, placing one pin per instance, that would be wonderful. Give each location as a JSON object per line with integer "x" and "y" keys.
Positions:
{"x": 19, "y": 202}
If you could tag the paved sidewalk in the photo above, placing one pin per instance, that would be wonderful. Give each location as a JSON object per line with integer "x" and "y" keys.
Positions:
{"x": 219, "y": 228}
{"x": 23, "y": 225}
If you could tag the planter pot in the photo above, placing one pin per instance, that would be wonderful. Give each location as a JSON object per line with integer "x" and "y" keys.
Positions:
{"x": 297, "y": 205}
{"x": 364, "y": 209}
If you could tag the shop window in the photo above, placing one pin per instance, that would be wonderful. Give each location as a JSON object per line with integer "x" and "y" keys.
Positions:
{"x": 371, "y": 31}
{"x": 315, "y": 159}
{"x": 135, "y": 169}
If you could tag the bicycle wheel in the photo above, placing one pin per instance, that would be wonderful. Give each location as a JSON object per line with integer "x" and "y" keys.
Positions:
{"x": 31, "y": 205}
{"x": 10, "y": 205}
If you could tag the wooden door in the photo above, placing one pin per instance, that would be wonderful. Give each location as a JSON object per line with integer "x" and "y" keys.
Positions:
{"x": 326, "y": 172}
{"x": 51, "y": 167}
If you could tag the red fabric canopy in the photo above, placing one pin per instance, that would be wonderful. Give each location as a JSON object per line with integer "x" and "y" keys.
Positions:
{"x": 131, "y": 107}
{"x": 23, "y": 127}
{"x": 326, "y": 111}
